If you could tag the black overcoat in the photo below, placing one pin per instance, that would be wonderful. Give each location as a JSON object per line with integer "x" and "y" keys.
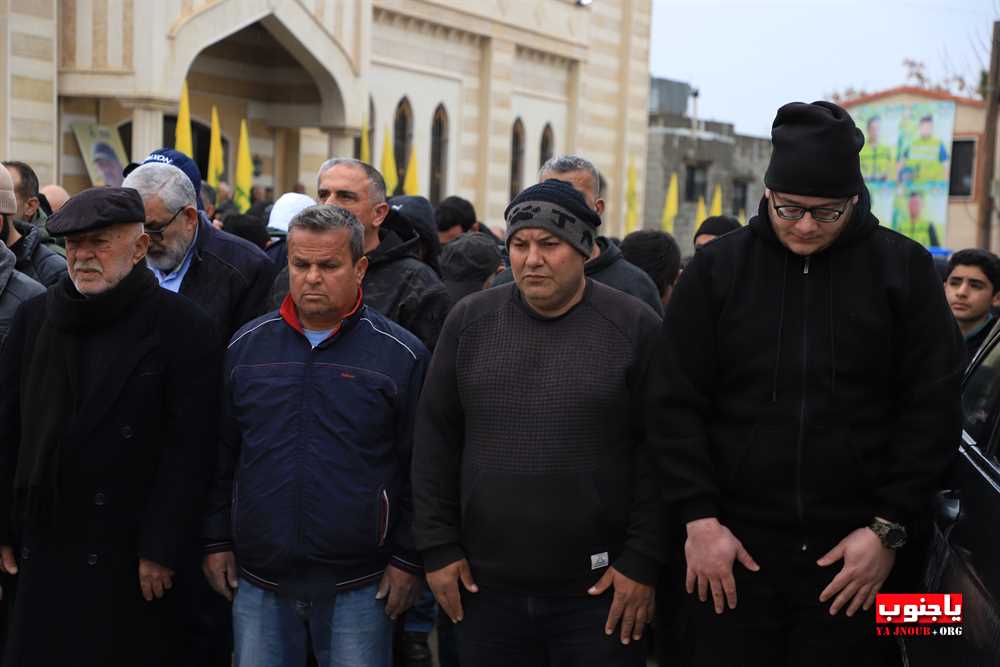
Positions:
{"x": 134, "y": 464}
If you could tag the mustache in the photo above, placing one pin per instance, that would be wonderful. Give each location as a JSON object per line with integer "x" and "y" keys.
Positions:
{"x": 88, "y": 265}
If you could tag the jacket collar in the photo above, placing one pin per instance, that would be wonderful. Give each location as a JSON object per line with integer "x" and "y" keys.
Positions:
{"x": 30, "y": 237}
{"x": 290, "y": 315}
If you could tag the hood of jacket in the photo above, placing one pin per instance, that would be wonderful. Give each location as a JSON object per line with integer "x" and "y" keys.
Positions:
{"x": 610, "y": 254}
{"x": 397, "y": 240}
{"x": 859, "y": 227}
{"x": 7, "y": 262}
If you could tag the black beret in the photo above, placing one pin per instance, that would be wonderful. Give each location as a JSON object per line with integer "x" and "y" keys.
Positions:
{"x": 96, "y": 208}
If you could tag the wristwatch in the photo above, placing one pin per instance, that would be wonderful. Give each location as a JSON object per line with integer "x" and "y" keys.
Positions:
{"x": 892, "y": 535}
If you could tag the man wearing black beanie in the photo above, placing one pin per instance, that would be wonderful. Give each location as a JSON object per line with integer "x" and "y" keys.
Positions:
{"x": 536, "y": 511}
{"x": 802, "y": 408}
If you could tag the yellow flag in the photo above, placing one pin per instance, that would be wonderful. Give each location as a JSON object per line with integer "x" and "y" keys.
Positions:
{"x": 631, "y": 203}
{"x": 366, "y": 151}
{"x": 216, "y": 163}
{"x": 182, "y": 136}
{"x": 670, "y": 205}
{"x": 388, "y": 167}
{"x": 743, "y": 216}
{"x": 716, "y": 201}
{"x": 243, "y": 183}
{"x": 411, "y": 184}
{"x": 700, "y": 214}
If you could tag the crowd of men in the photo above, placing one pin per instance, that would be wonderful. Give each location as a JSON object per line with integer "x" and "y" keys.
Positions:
{"x": 314, "y": 433}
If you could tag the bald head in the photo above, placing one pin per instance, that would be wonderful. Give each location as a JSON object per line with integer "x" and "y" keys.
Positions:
{"x": 56, "y": 195}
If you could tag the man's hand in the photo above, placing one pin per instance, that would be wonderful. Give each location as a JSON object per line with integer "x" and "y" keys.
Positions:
{"x": 634, "y": 604}
{"x": 710, "y": 550}
{"x": 402, "y": 589}
{"x": 221, "y": 573}
{"x": 867, "y": 564}
{"x": 444, "y": 584}
{"x": 7, "y": 562}
{"x": 154, "y": 579}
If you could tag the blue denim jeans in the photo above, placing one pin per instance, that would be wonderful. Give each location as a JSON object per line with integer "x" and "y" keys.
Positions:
{"x": 350, "y": 630}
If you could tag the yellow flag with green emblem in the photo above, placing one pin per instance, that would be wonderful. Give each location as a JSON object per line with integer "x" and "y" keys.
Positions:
{"x": 671, "y": 204}
{"x": 388, "y": 166}
{"x": 182, "y": 135}
{"x": 716, "y": 201}
{"x": 216, "y": 162}
{"x": 411, "y": 184}
{"x": 243, "y": 183}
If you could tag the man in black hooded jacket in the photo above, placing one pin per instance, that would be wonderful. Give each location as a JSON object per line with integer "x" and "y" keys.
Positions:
{"x": 399, "y": 284}
{"x": 802, "y": 410}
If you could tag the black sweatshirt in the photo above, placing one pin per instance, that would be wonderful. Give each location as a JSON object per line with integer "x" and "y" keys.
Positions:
{"x": 806, "y": 394}
{"x": 529, "y": 456}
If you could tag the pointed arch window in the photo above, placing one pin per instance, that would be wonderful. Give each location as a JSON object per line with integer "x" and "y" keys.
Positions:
{"x": 402, "y": 135}
{"x": 516, "y": 158}
{"x": 439, "y": 154}
{"x": 548, "y": 146}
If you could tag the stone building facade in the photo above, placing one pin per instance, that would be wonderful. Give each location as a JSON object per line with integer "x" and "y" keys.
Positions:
{"x": 703, "y": 154}
{"x": 480, "y": 91}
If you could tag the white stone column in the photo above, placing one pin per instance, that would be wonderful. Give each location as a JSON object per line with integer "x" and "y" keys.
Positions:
{"x": 147, "y": 126}
{"x": 341, "y": 141}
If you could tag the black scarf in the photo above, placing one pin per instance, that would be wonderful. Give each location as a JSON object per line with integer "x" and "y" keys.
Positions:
{"x": 56, "y": 387}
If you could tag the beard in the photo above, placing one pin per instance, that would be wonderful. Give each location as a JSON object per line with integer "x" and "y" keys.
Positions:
{"x": 5, "y": 229}
{"x": 167, "y": 258}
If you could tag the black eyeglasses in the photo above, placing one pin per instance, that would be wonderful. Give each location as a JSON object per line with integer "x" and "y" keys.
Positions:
{"x": 818, "y": 213}
{"x": 157, "y": 232}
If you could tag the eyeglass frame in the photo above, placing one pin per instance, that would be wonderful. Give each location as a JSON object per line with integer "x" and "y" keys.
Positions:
{"x": 157, "y": 233}
{"x": 809, "y": 210}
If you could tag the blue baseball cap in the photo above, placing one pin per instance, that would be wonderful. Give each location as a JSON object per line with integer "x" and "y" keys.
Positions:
{"x": 174, "y": 159}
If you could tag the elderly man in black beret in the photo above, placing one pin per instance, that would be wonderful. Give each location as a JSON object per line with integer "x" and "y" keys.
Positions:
{"x": 109, "y": 391}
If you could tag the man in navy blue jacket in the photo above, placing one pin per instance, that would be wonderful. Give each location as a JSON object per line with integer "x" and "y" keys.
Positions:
{"x": 309, "y": 522}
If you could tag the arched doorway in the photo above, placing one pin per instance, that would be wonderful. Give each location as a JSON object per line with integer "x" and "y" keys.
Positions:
{"x": 201, "y": 135}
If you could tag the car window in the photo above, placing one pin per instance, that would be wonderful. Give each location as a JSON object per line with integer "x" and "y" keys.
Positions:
{"x": 981, "y": 398}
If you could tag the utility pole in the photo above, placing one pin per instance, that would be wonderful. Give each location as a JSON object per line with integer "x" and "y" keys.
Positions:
{"x": 986, "y": 203}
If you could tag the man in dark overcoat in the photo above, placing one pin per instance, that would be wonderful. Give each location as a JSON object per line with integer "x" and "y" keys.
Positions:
{"x": 110, "y": 386}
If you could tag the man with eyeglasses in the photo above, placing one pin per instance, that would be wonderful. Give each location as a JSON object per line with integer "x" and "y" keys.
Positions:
{"x": 802, "y": 410}
{"x": 230, "y": 278}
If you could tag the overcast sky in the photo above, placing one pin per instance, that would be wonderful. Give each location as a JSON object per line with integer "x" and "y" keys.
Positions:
{"x": 748, "y": 57}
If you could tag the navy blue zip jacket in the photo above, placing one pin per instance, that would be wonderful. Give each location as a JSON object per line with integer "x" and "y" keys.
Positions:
{"x": 312, "y": 490}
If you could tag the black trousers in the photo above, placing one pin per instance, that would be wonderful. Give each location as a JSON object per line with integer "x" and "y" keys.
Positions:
{"x": 779, "y": 619}
{"x": 505, "y": 629}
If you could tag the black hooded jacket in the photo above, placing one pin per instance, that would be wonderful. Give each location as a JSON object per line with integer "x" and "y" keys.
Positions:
{"x": 806, "y": 394}
{"x": 398, "y": 285}
{"x": 34, "y": 257}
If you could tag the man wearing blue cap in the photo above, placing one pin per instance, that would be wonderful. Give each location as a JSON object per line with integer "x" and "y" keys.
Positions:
{"x": 228, "y": 277}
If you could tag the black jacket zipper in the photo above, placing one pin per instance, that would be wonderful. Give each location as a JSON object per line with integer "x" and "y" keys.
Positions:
{"x": 799, "y": 507}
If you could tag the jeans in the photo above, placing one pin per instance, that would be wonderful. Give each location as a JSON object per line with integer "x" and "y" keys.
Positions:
{"x": 504, "y": 629}
{"x": 351, "y": 630}
{"x": 421, "y": 616}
